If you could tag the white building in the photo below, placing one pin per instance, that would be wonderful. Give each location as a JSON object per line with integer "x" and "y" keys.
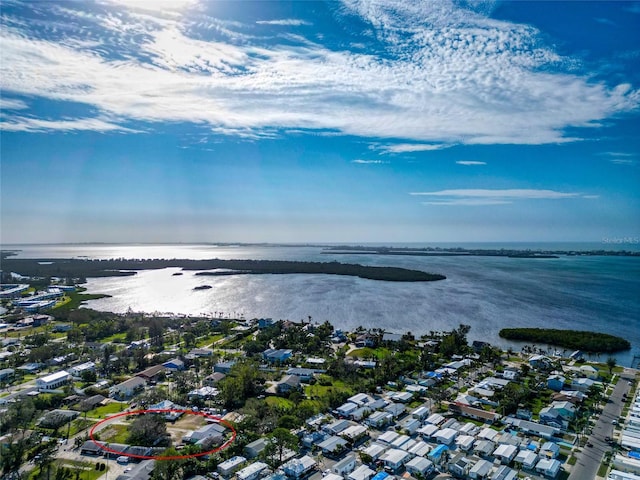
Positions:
{"x": 253, "y": 471}
{"x": 78, "y": 370}
{"x": 53, "y": 381}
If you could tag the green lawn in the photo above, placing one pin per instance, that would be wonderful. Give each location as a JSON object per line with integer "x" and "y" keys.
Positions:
{"x": 114, "y": 433}
{"x": 109, "y": 408}
{"x": 115, "y": 338}
{"x": 204, "y": 341}
{"x": 280, "y": 402}
{"x": 78, "y": 425}
{"x": 319, "y": 391}
{"x": 366, "y": 352}
{"x": 86, "y": 469}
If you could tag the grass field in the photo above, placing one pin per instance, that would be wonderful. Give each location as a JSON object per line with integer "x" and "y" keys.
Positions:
{"x": 114, "y": 433}
{"x": 115, "y": 338}
{"x": 86, "y": 470}
{"x": 108, "y": 409}
{"x": 366, "y": 353}
{"x": 320, "y": 391}
{"x": 279, "y": 402}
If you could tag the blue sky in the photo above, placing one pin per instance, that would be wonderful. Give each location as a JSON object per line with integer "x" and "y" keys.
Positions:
{"x": 354, "y": 121}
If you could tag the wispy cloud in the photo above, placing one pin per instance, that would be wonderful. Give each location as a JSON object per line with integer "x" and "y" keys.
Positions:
{"x": 622, "y": 161}
{"x": 471, "y": 202}
{"x": 12, "y": 104}
{"x": 501, "y": 83}
{"x": 369, "y": 162}
{"x": 620, "y": 158}
{"x": 294, "y": 22}
{"x": 481, "y": 197}
{"x": 470, "y": 162}
{"x": 408, "y": 147}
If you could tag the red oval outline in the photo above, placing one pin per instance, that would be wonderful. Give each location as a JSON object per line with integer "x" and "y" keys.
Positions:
{"x": 168, "y": 457}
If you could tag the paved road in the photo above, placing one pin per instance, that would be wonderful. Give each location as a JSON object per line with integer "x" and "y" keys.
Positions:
{"x": 589, "y": 458}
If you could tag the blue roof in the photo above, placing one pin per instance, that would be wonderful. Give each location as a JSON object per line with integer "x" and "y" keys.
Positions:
{"x": 380, "y": 476}
{"x": 436, "y": 452}
{"x": 633, "y": 454}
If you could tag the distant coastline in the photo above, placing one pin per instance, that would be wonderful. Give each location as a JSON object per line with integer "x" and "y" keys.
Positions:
{"x": 469, "y": 252}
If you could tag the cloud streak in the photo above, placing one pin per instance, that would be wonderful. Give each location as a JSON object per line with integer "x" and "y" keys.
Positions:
{"x": 287, "y": 22}
{"x": 512, "y": 193}
{"x": 470, "y": 162}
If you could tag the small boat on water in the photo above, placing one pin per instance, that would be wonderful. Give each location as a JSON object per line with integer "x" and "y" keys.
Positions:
{"x": 202, "y": 287}
{"x": 176, "y": 274}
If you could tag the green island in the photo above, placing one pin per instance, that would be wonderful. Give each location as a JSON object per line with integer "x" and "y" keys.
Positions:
{"x": 83, "y": 268}
{"x": 574, "y": 339}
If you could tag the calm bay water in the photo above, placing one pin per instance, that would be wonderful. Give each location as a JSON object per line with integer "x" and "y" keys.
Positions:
{"x": 584, "y": 293}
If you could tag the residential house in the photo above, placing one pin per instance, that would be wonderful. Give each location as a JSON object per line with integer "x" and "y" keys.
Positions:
{"x": 504, "y": 473}
{"x": 460, "y": 465}
{"x": 379, "y": 419}
{"x": 201, "y": 352}
{"x": 532, "y": 428}
{"x": 540, "y": 361}
{"x": 363, "y": 472}
{"x": 583, "y": 384}
{"x": 354, "y": 433}
{"x": 210, "y": 434}
{"x": 345, "y": 466}
{"x": 480, "y": 470}
{"x": 253, "y": 449}
{"x": 527, "y": 458}
{"x": 395, "y": 409}
{"x": 410, "y": 425}
{"x": 483, "y": 448}
{"x": 549, "y": 450}
{"x": 6, "y": 374}
{"x": 288, "y": 383}
{"x": 590, "y": 372}
{"x": 556, "y": 382}
{"x": 394, "y": 460}
{"x": 474, "y": 413}
{"x": 53, "y": 382}
{"x": 305, "y": 374}
{"x": 419, "y": 466}
{"x": 336, "y": 427}
{"x": 505, "y": 453}
{"x": 375, "y": 450}
{"x": 128, "y": 388}
{"x": 446, "y": 436}
{"x": 152, "y": 374}
{"x": 333, "y": 446}
{"x": 252, "y": 471}
{"x": 548, "y": 467}
{"x": 213, "y": 379}
{"x": 365, "y": 340}
{"x": 224, "y": 367}
{"x": 78, "y": 370}
{"x": 229, "y": 467}
{"x": 175, "y": 364}
{"x": 465, "y": 442}
{"x": 298, "y": 468}
{"x": 277, "y": 356}
{"x": 346, "y": 409}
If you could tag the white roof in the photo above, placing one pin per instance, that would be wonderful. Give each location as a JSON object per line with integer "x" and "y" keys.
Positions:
{"x": 251, "y": 470}
{"x": 419, "y": 463}
{"x": 54, "y": 377}
{"x": 388, "y": 436}
{"x": 420, "y": 449}
{"x": 374, "y": 450}
{"x": 481, "y": 468}
{"x": 505, "y": 451}
{"x": 361, "y": 473}
{"x": 394, "y": 456}
{"x": 446, "y": 435}
{"x": 353, "y": 431}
